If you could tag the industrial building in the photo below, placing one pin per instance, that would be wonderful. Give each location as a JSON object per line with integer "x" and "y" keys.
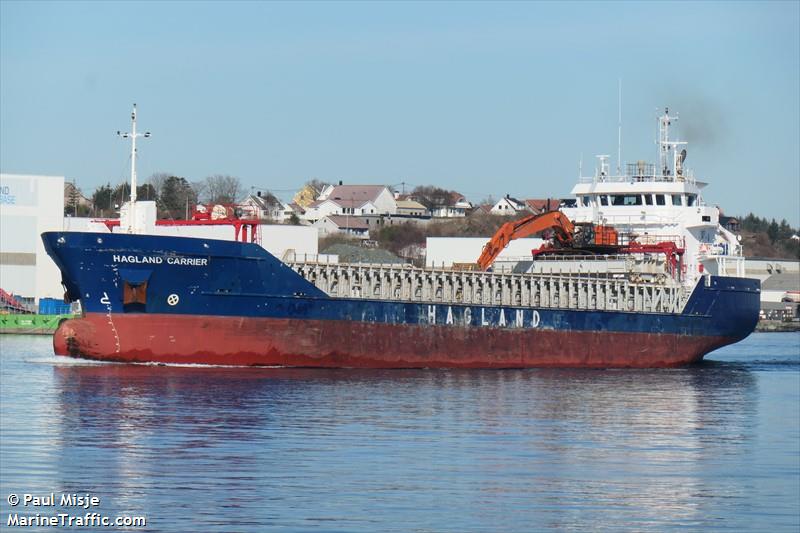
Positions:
{"x": 780, "y": 285}
{"x": 29, "y": 206}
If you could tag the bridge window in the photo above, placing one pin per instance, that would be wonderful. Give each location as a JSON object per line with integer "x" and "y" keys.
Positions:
{"x": 586, "y": 201}
{"x": 690, "y": 199}
{"x": 676, "y": 199}
{"x": 626, "y": 199}
{"x": 660, "y": 200}
{"x": 648, "y": 199}
{"x": 603, "y": 199}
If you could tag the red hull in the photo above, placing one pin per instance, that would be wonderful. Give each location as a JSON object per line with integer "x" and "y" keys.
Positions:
{"x": 325, "y": 343}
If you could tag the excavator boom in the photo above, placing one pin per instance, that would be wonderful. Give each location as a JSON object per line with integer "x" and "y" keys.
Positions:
{"x": 530, "y": 225}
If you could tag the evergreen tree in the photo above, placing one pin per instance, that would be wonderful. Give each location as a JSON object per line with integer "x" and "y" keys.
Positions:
{"x": 101, "y": 199}
{"x": 146, "y": 192}
{"x": 175, "y": 195}
{"x": 73, "y": 196}
{"x": 121, "y": 194}
{"x": 773, "y": 231}
{"x": 784, "y": 230}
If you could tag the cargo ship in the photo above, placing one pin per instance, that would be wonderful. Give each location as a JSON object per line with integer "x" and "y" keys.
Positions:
{"x": 584, "y": 301}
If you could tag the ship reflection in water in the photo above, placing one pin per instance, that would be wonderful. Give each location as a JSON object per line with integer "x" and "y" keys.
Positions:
{"x": 250, "y": 449}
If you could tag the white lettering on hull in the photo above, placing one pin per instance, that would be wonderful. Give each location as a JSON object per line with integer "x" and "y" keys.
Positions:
{"x": 157, "y": 260}
{"x": 522, "y": 318}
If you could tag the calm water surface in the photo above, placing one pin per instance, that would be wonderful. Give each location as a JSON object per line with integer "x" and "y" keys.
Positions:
{"x": 715, "y": 446}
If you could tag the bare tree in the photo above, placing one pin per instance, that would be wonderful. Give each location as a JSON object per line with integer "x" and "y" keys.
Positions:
{"x": 317, "y": 184}
{"x": 200, "y": 188}
{"x": 157, "y": 180}
{"x": 221, "y": 189}
{"x": 432, "y": 197}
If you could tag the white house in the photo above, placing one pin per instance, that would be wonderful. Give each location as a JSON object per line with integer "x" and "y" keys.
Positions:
{"x": 353, "y": 200}
{"x": 457, "y": 208}
{"x": 267, "y": 207}
{"x": 349, "y": 225}
{"x": 509, "y": 206}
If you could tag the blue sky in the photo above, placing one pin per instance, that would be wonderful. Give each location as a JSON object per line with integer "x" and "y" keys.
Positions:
{"x": 485, "y": 98}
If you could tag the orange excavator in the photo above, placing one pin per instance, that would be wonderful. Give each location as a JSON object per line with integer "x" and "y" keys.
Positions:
{"x": 581, "y": 239}
{"x": 562, "y": 227}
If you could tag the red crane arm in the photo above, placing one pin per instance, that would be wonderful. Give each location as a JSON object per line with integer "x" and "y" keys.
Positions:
{"x": 517, "y": 229}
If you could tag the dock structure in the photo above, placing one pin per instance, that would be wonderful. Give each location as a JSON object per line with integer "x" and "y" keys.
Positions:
{"x": 579, "y": 291}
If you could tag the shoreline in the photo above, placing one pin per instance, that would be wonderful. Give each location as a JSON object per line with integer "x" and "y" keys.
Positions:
{"x": 777, "y": 326}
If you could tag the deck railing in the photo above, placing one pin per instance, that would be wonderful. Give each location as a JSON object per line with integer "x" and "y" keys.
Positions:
{"x": 405, "y": 283}
{"x": 633, "y": 176}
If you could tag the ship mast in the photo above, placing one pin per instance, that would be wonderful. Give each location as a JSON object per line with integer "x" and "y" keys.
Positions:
{"x": 663, "y": 143}
{"x": 670, "y": 160}
{"x": 619, "y": 131}
{"x": 132, "y": 136}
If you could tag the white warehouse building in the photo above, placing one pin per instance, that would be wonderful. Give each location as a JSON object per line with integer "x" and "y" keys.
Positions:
{"x": 29, "y": 206}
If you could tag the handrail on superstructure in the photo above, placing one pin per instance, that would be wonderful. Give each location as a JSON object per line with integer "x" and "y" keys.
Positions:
{"x": 240, "y": 227}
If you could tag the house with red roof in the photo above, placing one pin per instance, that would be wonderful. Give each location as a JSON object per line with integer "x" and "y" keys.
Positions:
{"x": 542, "y": 205}
{"x": 352, "y": 200}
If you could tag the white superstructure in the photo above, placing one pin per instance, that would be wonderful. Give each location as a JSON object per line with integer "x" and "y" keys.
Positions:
{"x": 660, "y": 203}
